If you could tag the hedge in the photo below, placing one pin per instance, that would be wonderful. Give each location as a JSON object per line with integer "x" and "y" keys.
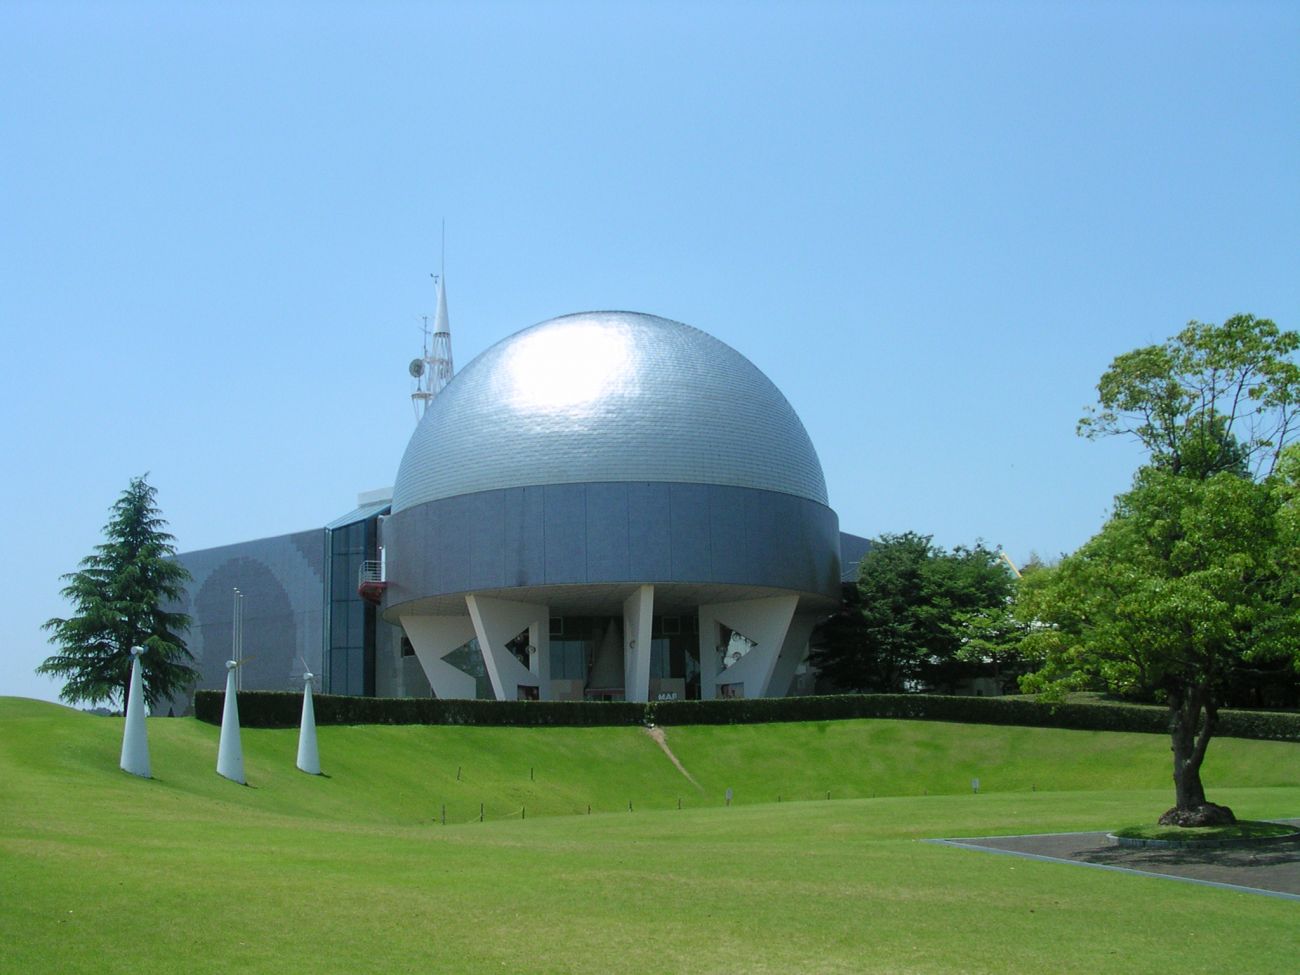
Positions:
{"x": 282, "y": 709}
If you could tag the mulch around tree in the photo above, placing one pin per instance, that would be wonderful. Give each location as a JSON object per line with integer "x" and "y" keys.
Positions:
{"x": 1272, "y": 869}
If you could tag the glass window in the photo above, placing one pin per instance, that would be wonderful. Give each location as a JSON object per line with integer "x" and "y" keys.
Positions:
{"x": 569, "y": 659}
{"x": 659, "y": 658}
{"x": 356, "y": 625}
{"x": 340, "y": 611}
{"x": 356, "y": 673}
{"x": 342, "y": 581}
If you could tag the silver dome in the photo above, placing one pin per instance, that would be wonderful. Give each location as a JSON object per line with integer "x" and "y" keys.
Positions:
{"x": 608, "y": 396}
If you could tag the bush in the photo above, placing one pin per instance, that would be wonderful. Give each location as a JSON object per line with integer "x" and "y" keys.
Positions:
{"x": 916, "y": 707}
{"x": 283, "y": 709}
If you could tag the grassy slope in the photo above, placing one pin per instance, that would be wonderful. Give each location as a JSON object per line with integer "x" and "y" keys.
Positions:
{"x": 101, "y": 871}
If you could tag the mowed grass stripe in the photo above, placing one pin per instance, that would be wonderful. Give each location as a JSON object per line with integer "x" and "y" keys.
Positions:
{"x": 408, "y": 773}
{"x": 103, "y": 872}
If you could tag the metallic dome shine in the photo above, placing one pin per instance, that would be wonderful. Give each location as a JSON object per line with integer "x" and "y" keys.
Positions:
{"x": 608, "y": 396}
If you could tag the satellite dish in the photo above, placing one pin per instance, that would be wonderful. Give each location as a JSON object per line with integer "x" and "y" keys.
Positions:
{"x": 416, "y": 368}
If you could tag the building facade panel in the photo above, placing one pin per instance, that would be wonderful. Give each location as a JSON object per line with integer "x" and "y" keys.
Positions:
{"x": 649, "y": 545}
{"x": 732, "y": 544}
{"x": 487, "y": 545}
{"x": 782, "y": 541}
{"x": 525, "y": 537}
{"x": 607, "y": 548}
{"x": 452, "y": 542}
{"x": 565, "y": 530}
{"x": 282, "y": 582}
{"x": 688, "y": 532}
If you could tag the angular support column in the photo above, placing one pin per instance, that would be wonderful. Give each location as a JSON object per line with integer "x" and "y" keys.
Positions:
{"x": 496, "y": 623}
{"x": 539, "y": 635}
{"x": 793, "y": 652}
{"x": 765, "y": 622}
{"x": 432, "y": 638}
{"x": 638, "y": 614}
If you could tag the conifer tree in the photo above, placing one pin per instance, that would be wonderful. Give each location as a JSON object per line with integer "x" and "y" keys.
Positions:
{"x": 119, "y": 596}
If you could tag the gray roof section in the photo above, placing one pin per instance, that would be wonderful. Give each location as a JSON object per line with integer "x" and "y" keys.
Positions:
{"x": 608, "y": 396}
{"x": 359, "y": 514}
{"x": 853, "y": 549}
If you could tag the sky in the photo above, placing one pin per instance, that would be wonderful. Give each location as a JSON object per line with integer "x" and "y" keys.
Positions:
{"x": 932, "y": 225}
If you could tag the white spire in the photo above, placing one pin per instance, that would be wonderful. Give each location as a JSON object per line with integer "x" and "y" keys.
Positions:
{"x": 434, "y": 369}
{"x": 441, "y": 326}
{"x": 308, "y": 753}
{"x": 440, "y": 365}
{"x": 230, "y": 756}
{"x": 135, "y": 743}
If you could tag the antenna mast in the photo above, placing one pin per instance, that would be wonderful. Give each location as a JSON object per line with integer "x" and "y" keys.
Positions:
{"x": 434, "y": 369}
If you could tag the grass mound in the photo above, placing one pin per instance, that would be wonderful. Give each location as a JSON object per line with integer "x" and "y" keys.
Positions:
{"x": 103, "y": 872}
{"x": 1241, "y": 830}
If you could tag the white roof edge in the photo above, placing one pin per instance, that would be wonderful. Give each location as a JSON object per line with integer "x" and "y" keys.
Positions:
{"x": 374, "y": 497}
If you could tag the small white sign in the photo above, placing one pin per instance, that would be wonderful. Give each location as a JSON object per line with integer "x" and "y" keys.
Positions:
{"x": 974, "y": 785}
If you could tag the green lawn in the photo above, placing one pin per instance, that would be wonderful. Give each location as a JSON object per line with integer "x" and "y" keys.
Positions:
{"x": 100, "y": 871}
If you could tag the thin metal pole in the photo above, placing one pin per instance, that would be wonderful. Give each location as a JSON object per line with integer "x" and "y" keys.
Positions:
{"x": 237, "y": 638}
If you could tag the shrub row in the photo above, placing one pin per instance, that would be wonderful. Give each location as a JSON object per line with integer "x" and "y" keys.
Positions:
{"x": 282, "y": 709}
{"x": 1023, "y": 711}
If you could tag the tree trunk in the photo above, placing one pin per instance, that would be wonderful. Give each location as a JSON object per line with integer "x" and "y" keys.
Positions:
{"x": 1190, "y": 735}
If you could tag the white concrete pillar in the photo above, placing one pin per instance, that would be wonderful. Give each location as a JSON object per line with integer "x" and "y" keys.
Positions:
{"x": 432, "y": 638}
{"x": 710, "y": 659}
{"x": 230, "y": 753}
{"x": 638, "y": 615}
{"x": 763, "y": 621}
{"x": 496, "y": 623}
{"x": 308, "y": 754}
{"x": 135, "y": 741}
{"x": 539, "y": 636}
{"x": 794, "y": 651}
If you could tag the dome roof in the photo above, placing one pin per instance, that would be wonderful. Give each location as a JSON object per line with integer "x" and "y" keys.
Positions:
{"x": 608, "y": 396}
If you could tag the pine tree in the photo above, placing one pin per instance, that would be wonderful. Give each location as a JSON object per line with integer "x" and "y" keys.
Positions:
{"x": 119, "y": 595}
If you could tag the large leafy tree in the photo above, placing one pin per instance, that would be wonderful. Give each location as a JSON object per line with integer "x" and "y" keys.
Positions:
{"x": 1195, "y": 574}
{"x": 1188, "y": 579}
{"x": 1212, "y": 398}
{"x": 119, "y": 596}
{"x": 902, "y": 627}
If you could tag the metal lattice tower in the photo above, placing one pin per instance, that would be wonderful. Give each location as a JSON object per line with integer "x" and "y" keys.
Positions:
{"x": 434, "y": 369}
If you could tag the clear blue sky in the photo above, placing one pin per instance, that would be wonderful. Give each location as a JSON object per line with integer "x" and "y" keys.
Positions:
{"x": 932, "y": 225}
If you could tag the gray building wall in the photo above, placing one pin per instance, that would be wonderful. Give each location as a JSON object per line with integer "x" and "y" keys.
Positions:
{"x": 611, "y": 532}
{"x": 604, "y": 532}
{"x": 853, "y": 549}
{"x": 397, "y": 675}
{"x": 282, "y": 581}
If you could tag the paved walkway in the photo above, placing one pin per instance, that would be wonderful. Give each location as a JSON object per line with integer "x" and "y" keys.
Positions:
{"x": 1272, "y": 870}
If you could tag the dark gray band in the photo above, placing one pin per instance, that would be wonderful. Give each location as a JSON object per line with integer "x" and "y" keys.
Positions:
{"x": 611, "y": 532}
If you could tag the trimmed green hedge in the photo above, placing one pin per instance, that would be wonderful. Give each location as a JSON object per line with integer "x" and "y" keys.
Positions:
{"x": 1023, "y": 711}
{"x": 282, "y": 709}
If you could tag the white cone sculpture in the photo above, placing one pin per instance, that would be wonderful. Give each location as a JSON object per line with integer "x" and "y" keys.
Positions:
{"x": 135, "y": 743}
{"x": 308, "y": 756}
{"x": 230, "y": 756}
